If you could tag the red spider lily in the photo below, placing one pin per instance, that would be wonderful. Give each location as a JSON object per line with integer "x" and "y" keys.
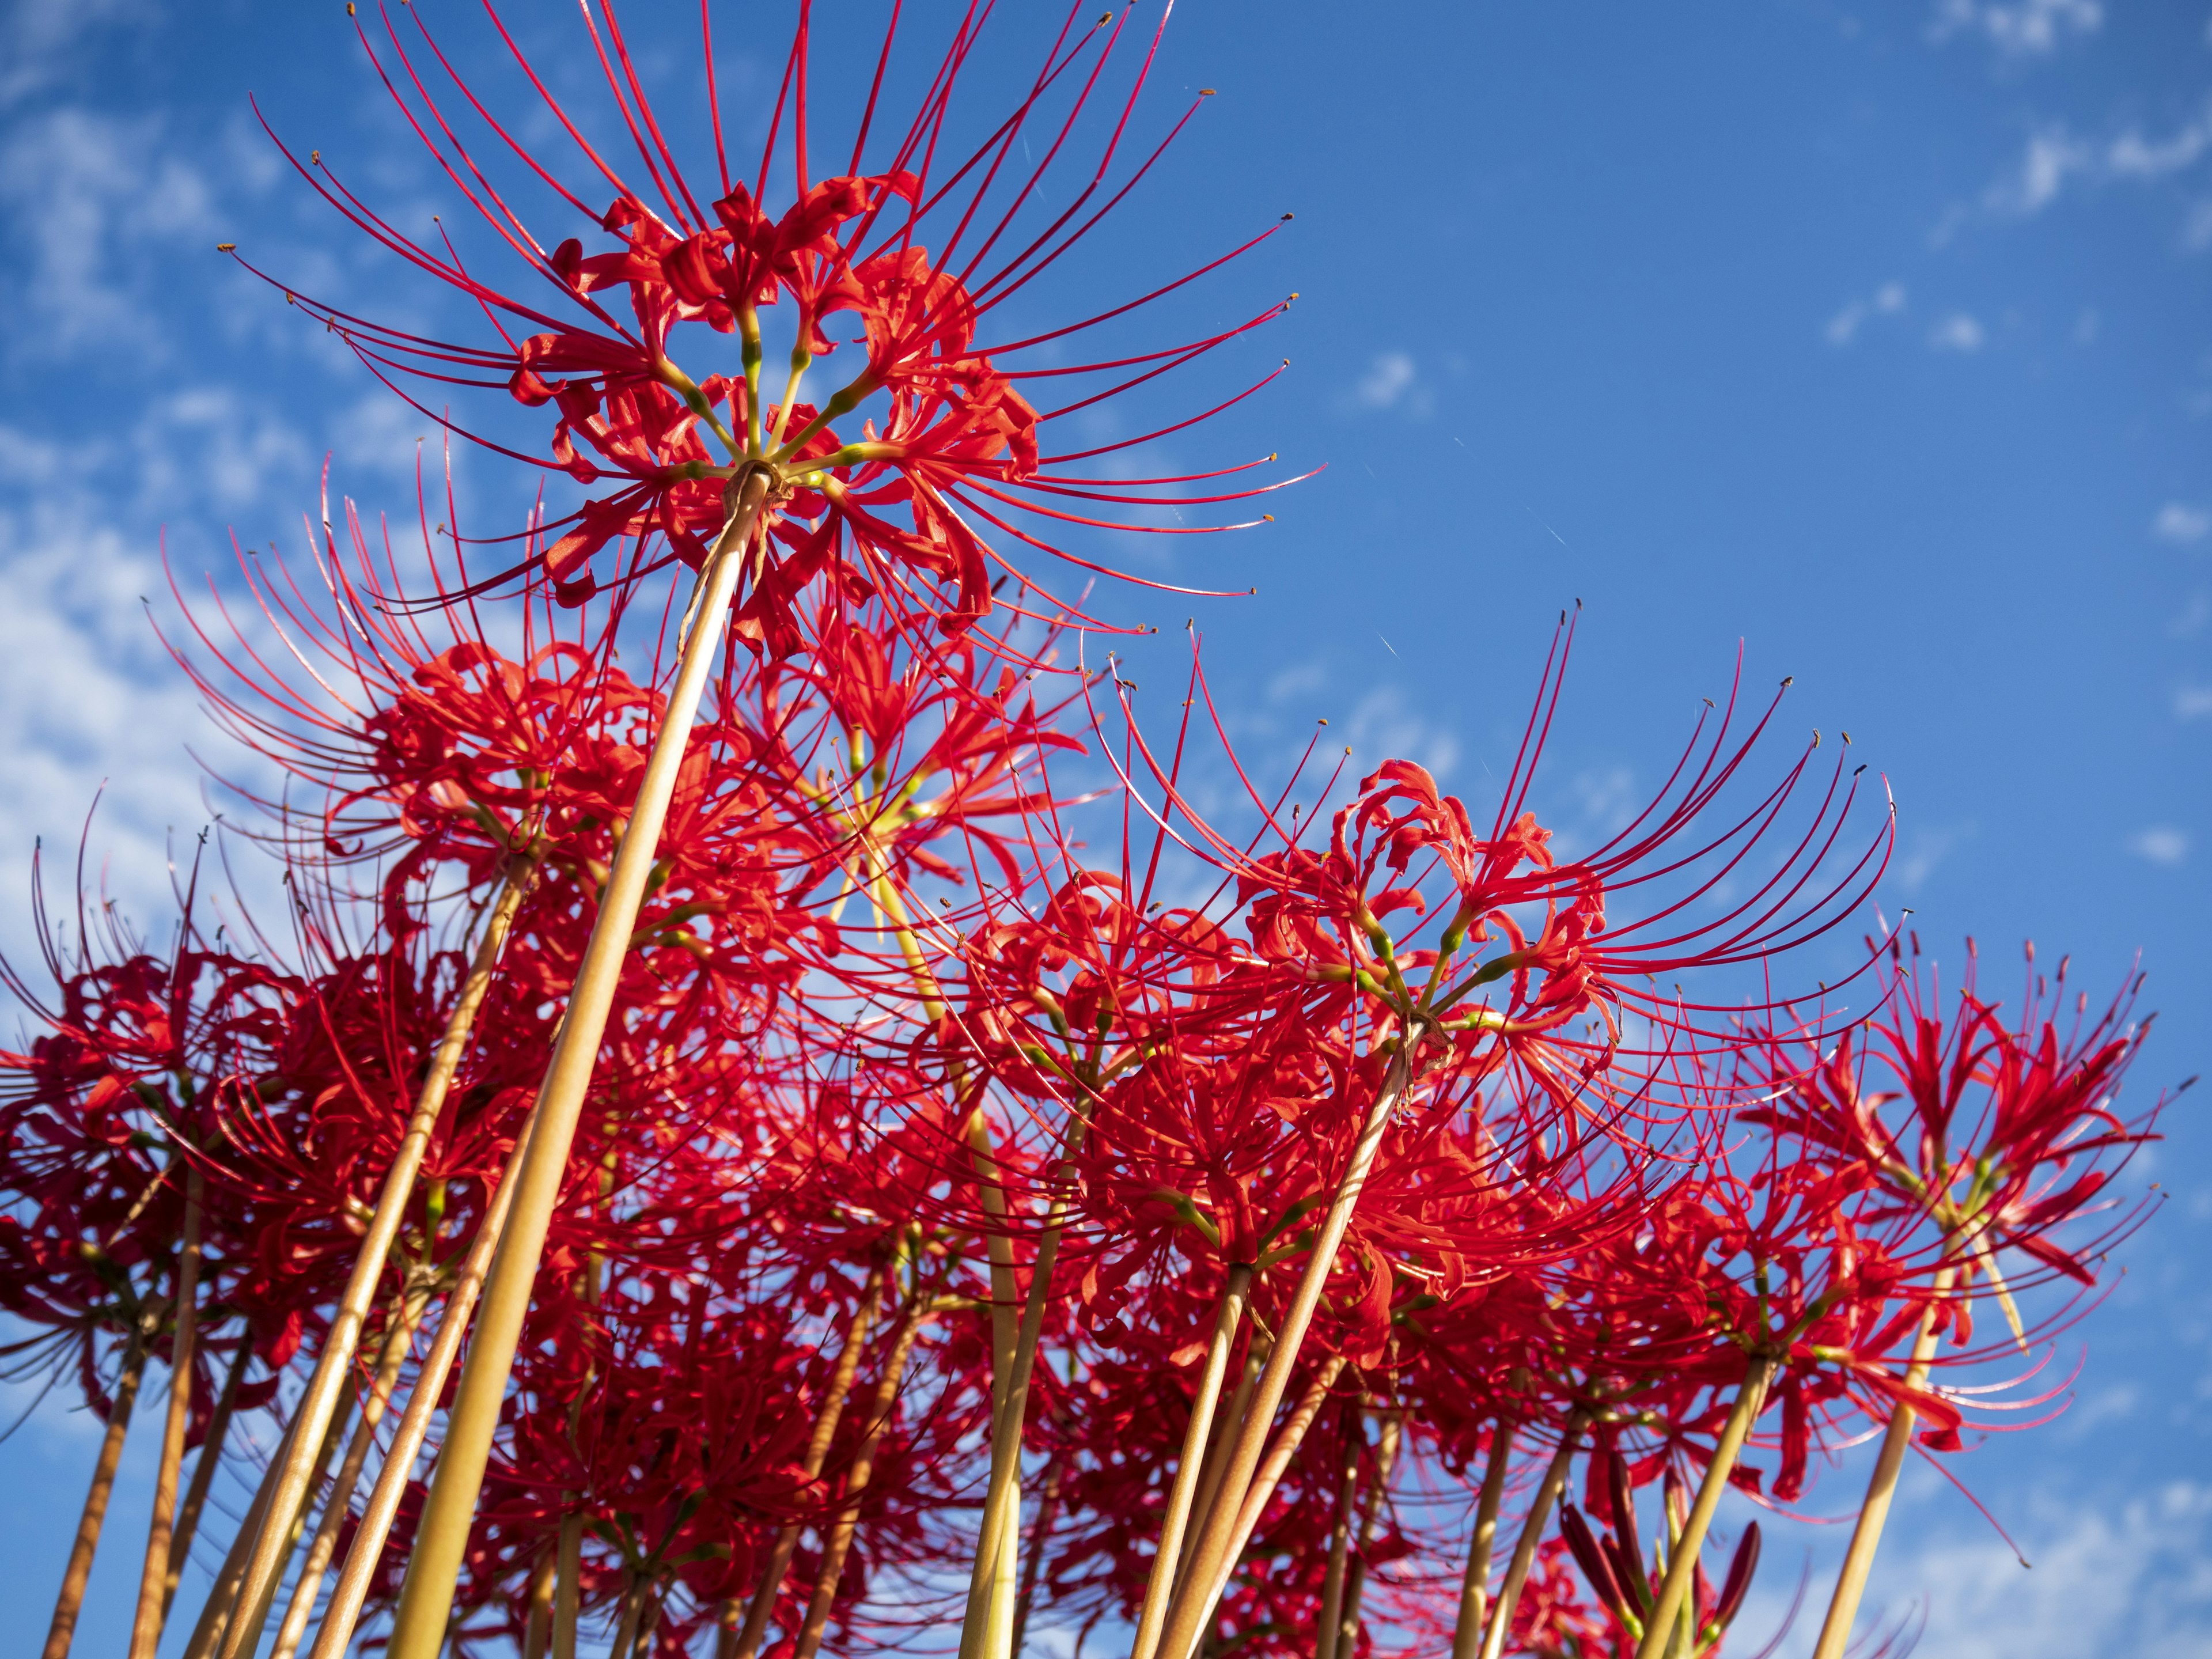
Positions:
{"x": 948, "y": 442}
{"x": 1996, "y": 1133}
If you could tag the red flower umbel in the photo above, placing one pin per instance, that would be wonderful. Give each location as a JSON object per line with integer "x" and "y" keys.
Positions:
{"x": 656, "y": 416}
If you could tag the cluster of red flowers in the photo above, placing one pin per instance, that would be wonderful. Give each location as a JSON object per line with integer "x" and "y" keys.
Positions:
{"x": 717, "y": 1159}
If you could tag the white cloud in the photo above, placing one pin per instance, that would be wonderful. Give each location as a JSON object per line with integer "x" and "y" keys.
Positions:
{"x": 1385, "y": 726}
{"x": 1888, "y": 299}
{"x": 1957, "y": 332}
{"x": 36, "y": 40}
{"x": 2181, "y": 522}
{"x": 2162, "y": 844}
{"x": 92, "y": 197}
{"x": 2193, "y": 702}
{"x": 2054, "y": 157}
{"x": 1927, "y": 847}
{"x": 1392, "y": 380}
{"x": 2027, "y": 28}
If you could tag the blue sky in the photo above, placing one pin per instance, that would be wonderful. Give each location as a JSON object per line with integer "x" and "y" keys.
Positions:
{"x": 1874, "y": 339}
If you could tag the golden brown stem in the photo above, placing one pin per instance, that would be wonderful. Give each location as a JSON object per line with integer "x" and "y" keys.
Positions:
{"x": 1355, "y": 1593}
{"x": 1264, "y": 1481}
{"x": 426, "y": 1598}
{"x": 537, "y": 1630}
{"x": 245, "y": 1634}
{"x": 840, "y": 1541}
{"x": 1331, "y": 1622}
{"x": 214, "y": 1612}
{"x": 1531, "y": 1533}
{"x": 203, "y": 1468}
{"x": 1210, "y": 1561}
{"x": 1682, "y": 1563}
{"x": 1474, "y": 1591}
{"x": 1190, "y": 1466}
{"x": 70, "y": 1602}
{"x": 339, "y": 1504}
{"x": 1033, "y": 1561}
{"x": 146, "y": 1624}
{"x": 1226, "y": 1425}
{"x": 352, "y": 1587}
{"x": 818, "y": 1451}
{"x": 569, "y": 1594}
{"x": 988, "y": 1625}
{"x": 1881, "y": 1490}
{"x": 321, "y": 1400}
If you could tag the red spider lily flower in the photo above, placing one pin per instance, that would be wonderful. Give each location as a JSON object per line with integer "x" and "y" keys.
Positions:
{"x": 920, "y": 251}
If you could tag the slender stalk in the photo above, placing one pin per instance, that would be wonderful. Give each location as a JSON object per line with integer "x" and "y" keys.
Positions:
{"x": 1474, "y": 1590}
{"x": 1531, "y": 1533}
{"x": 1190, "y": 1466}
{"x": 321, "y": 1400}
{"x": 222, "y": 1594}
{"x": 567, "y": 1597}
{"x": 1355, "y": 1592}
{"x": 1033, "y": 1562}
{"x": 426, "y": 1598}
{"x": 1216, "y": 1456}
{"x": 983, "y": 1628}
{"x": 1209, "y": 1562}
{"x": 70, "y": 1602}
{"x": 840, "y": 1541}
{"x": 146, "y": 1624}
{"x": 203, "y": 1468}
{"x": 818, "y": 1451}
{"x": 339, "y": 1504}
{"x": 1682, "y": 1563}
{"x": 1270, "y": 1474}
{"x": 1331, "y": 1622}
{"x": 1881, "y": 1490}
{"x": 352, "y": 1587}
{"x": 633, "y": 1609}
{"x": 537, "y": 1630}
{"x": 243, "y": 1636}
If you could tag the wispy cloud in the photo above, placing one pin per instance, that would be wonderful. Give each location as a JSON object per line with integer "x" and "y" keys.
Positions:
{"x": 2026, "y": 29}
{"x": 2193, "y": 702}
{"x": 1392, "y": 382}
{"x": 2162, "y": 844}
{"x": 1959, "y": 331}
{"x": 2181, "y": 522}
{"x": 1886, "y": 301}
{"x": 2055, "y": 159}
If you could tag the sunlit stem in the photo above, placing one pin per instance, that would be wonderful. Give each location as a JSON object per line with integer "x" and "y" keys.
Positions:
{"x": 210, "y": 1460}
{"x": 998, "y": 1245}
{"x": 325, "y": 1387}
{"x": 1355, "y": 1590}
{"x": 818, "y": 1452}
{"x": 339, "y": 1504}
{"x": 1881, "y": 1490}
{"x": 1682, "y": 1565}
{"x": 154, "y": 1578}
{"x": 1211, "y": 1559}
{"x": 249, "y": 1615}
{"x": 1190, "y": 1467}
{"x": 1331, "y": 1623}
{"x": 840, "y": 1541}
{"x": 359, "y": 1573}
{"x": 568, "y": 1594}
{"x": 1532, "y": 1535}
{"x": 70, "y": 1602}
{"x": 222, "y": 1594}
{"x": 1264, "y": 1482}
{"x": 989, "y": 1618}
{"x": 1474, "y": 1588}
{"x": 1033, "y": 1561}
{"x": 427, "y": 1596}
{"x": 537, "y": 1626}
{"x": 1227, "y": 1425}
